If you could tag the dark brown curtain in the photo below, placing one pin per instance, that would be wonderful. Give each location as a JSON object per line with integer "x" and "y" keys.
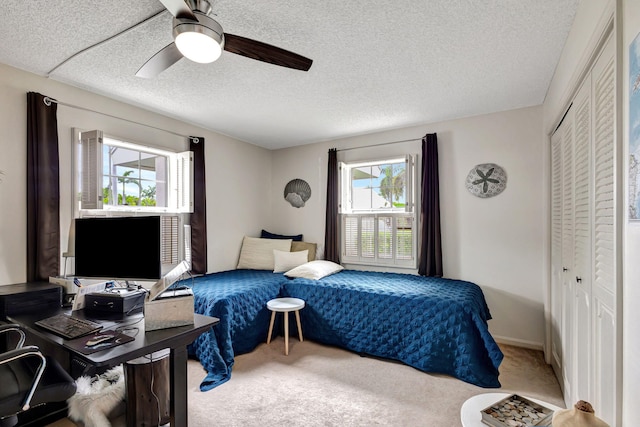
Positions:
{"x": 430, "y": 240}
{"x": 199, "y": 215}
{"x": 43, "y": 189}
{"x": 331, "y": 247}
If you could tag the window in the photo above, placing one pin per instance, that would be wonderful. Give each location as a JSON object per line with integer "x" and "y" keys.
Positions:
{"x": 119, "y": 175}
{"x": 132, "y": 177}
{"x": 120, "y": 178}
{"x": 377, "y": 212}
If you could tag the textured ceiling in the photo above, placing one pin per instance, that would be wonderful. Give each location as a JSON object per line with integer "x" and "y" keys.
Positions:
{"x": 377, "y": 64}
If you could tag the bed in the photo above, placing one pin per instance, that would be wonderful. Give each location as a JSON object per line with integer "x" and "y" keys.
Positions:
{"x": 238, "y": 298}
{"x": 435, "y": 325}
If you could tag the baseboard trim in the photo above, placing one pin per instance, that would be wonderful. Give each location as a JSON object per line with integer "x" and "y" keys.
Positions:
{"x": 519, "y": 343}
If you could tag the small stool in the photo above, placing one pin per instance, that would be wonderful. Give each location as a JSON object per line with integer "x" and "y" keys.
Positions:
{"x": 285, "y": 305}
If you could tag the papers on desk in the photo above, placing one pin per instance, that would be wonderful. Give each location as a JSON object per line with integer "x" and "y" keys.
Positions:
{"x": 168, "y": 279}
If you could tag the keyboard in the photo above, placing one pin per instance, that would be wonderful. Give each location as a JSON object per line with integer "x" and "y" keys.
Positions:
{"x": 68, "y": 327}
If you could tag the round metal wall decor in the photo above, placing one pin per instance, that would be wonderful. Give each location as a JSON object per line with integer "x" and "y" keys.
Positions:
{"x": 486, "y": 180}
{"x": 297, "y": 192}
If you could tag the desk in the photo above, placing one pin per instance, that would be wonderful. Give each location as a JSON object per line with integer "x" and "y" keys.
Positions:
{"x": 176, "y": 339}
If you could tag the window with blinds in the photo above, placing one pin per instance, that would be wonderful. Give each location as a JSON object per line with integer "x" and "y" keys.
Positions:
{"x": 385, "y": 239}
{"x": 377, "y": 213}
{"x": 169, "y": 239}
{"x": 113, "y": 177}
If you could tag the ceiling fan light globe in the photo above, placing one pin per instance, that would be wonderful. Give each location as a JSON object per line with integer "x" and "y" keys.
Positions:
{"x": 198, "y": 47}
{"x": 200, "y": 41}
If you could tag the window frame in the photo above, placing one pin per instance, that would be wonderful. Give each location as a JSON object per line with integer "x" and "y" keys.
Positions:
{"x": 346, "y": 213}
{"x": 88, "y": 178}
{"x": 110, "y": 175}
{"x": 346, "y": 193}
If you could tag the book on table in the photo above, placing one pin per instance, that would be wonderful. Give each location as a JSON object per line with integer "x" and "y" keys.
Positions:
{"x": 516, "y": 411}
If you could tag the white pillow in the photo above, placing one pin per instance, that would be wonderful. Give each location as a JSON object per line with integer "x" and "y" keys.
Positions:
{"x": 283, "y": 261}
{"x": 257, "y": 254}
{"x": 315, "y": 270}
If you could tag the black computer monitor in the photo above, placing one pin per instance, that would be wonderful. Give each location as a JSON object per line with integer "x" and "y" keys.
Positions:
{"x": 119, "y": 248}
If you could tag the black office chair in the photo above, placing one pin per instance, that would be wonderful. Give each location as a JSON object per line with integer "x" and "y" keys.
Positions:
{"x": 28, "y": 378}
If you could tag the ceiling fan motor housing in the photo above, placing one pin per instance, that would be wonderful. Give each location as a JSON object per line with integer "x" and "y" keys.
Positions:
{"x": 203, "y": 6}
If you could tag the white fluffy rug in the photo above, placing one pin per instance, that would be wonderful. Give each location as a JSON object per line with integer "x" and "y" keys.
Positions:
{"x": 98, "y": 398}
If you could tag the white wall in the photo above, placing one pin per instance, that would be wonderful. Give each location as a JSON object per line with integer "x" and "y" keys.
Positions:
{"x": 238, "y": 174}
{"x": 631, "y": 288}
{"x": 497, "y": 243}
{"x": 590, "y": 20}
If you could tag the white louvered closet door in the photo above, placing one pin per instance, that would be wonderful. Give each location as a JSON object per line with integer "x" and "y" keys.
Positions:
{"x": 566, "y": 130}
{"x": 582, "y": 245}
{"x": 584, "y": 240}
{"x": 556, "y": 253}
{"x": 605, "y": 237}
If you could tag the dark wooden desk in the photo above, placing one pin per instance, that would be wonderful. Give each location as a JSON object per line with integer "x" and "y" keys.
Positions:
{"x": 176, "y": 339}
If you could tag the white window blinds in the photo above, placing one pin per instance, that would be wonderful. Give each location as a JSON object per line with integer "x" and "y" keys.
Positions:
{"x": 91, "y": 170}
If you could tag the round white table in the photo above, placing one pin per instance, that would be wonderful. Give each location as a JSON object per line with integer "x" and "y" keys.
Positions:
{"x": 470, "y": 411}
{"x": 285, "y": 305}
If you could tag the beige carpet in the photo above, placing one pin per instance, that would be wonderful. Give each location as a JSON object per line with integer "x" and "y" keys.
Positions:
{"x": 318, "y": 385}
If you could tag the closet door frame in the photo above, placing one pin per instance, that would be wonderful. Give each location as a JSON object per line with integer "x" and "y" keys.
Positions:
{"x": 597, "y": 292}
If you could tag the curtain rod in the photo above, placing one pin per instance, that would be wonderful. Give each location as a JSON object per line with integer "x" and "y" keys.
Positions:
{"x": 48, "y": 101}
{"x": 378, "y": 145}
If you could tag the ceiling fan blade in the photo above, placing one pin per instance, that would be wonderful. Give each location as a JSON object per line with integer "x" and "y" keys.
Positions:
{"x": 159, "y": 62}
{"x": 179, "y": 9}
{"x": 265, "y": 52}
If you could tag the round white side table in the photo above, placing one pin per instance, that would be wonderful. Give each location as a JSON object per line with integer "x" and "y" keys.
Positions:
{"x": 470, "y": 411}
{"x": 285, "y": 305}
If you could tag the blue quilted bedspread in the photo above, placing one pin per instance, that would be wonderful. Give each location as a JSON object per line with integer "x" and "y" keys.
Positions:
{"x": 435, "y": 325}
{"x": 238, "y": 298}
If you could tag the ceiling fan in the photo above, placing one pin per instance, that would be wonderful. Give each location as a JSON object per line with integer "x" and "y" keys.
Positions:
{"x": 200, "y": 38}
